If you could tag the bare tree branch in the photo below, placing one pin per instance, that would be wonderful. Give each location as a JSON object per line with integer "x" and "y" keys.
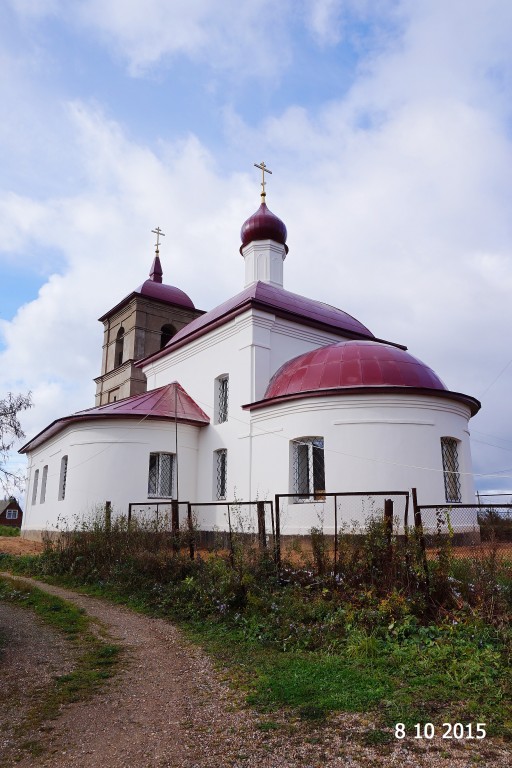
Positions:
{"x": 10, "y": 431}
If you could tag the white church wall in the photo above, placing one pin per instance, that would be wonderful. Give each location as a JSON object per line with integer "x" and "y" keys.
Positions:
{"x": 391, "y": 444}
{"x": 249, "y": 349}
{"x": 107, "y": 461}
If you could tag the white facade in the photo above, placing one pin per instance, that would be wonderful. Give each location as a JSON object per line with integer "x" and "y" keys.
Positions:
{"x": 379, "y": 439}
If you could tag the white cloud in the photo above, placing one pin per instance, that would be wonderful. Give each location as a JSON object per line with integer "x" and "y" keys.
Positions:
{"x": 325, "y": 20}
{"x": 396, "y": 197}
{"x": 248, "y": 37}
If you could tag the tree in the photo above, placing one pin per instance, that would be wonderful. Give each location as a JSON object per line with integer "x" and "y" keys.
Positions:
{"x": 10, "y": 431}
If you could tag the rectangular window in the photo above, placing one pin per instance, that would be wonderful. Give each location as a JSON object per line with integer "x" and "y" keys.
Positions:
{"x": 63, "y": 477}
{"x": 308, "y": 469}
{"x": 34, "y": 489}
{"x": 12, "y": 514}
{"x": 160, "y": 477}
{"x": 43, "y": 484}
{"x": 450, "y": 453}
{"x": 221, "y": 473}
{"x": 222, "y": 397}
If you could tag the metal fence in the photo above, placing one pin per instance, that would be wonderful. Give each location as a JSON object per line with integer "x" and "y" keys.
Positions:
{"x": 300, "y": 516}
{"x": 470, "y": 530}
{"x": 224, "y": 524}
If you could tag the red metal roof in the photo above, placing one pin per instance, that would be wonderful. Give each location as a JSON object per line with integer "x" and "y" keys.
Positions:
{"x": 264, "y": 296}
{"x": 155, "y": 289}
{"x": 263, "y": 225}
{"x": 356, "y": 367}
{"x": 167, "y": 293}
{"x": 156, "y": 404}
{"x": 352, "y": 364}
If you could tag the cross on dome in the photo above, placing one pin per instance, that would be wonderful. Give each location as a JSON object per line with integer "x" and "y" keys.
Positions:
{"x": 264, "y": 170}
{"x": 157, "y": 231}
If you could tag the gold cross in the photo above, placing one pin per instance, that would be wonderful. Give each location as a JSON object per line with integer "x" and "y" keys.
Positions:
{"x": 158, "y": 232}
{"x": 264, "y": 170}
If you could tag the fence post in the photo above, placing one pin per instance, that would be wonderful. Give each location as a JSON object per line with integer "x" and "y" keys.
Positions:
{"x": 277, "y": 547}
{"x": 262, "y": 535}
{"x": 108, "y": 517}
{"x": 335, "y": 568}
{"x": 175, "y": 524}
{"x": 419, "y": 530}
{"x": 190, "y": 531}
{"x": 388, "y": 521}
{"x": 231, "y": 544}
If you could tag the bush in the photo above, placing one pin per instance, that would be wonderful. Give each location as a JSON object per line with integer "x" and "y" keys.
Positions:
{"x": 9, "y": 530}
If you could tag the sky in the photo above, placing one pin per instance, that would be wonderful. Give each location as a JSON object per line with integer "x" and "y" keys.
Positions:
{"x": 387, "y": 125}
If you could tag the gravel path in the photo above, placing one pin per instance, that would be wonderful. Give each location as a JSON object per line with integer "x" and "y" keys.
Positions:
{"x": 169, "y": 708}
{"x": 31, "y": 655}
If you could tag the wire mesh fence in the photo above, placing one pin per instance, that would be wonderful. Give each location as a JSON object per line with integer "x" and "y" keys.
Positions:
{"x": 302, "y": 520}
{"x": 231, "y": 525}
{"x": 469, "y": 531}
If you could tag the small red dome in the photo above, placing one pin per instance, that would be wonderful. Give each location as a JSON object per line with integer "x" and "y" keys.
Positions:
{"x": 168, "y": 293}
{"x": 155, "y": 289}
{"x": 263, "y": 225}
{"x": 352, "y": 364}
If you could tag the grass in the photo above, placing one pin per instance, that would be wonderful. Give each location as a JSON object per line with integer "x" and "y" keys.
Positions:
{"x": 96, "y": 657}
{"x": 9, "y": 530}
{"x": 309, "y": 645}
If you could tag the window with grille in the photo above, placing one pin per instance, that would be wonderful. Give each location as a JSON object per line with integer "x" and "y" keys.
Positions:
{"x": 11, "y": 514}
{"x": 222, "y": 397}
{"x": 308, "y": 469}
{"x": 34, "y": 489}
{"x": 160, "y": 477}
{"x": 221, "y": 473}
{"x": 43, "y": 484}
{"x": 63, "y": 477}
{"x": 450, "y": 452}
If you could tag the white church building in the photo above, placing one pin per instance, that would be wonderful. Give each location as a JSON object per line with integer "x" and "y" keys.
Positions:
{"x": 270, "y": 392}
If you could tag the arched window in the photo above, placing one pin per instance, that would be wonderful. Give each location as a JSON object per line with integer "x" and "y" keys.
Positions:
{"x": 118, "y": 359}
{"x": 308, "y": 468}
{"x": 450, "y": 454}
{"x": 167, "y": 331}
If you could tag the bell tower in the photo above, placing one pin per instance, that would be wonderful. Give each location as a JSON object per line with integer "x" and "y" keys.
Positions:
{"x": 140, "y": 325}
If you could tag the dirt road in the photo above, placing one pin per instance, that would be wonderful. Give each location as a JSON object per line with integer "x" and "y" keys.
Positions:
{"x": 14, "y": 545}
{"x": 169, "y": 708}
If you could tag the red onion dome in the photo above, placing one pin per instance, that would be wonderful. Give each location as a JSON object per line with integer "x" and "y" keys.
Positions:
{"x": 352, "y": 364}
{"x": 154, "y": 288}
{"x": 263, "y": 225}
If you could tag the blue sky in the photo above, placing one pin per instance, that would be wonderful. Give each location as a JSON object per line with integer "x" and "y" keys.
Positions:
{"x": 387, "y": 125}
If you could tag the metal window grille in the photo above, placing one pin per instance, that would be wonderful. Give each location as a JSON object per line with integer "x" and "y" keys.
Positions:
{"x": 63, "y": 477}
{"x": 222, "y": 398}
{"x": 160, "y": 477}
{"x": 308, "y": 467}
{"x": 34, "y": 489}
{"x": 43, "y": 483}
{"x": 450, "y": 452}
{"x": 221, "y": 460}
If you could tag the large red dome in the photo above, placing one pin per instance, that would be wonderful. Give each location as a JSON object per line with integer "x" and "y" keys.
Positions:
{"x": 352, "y": 364}
{"x": 263, "y": 225}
